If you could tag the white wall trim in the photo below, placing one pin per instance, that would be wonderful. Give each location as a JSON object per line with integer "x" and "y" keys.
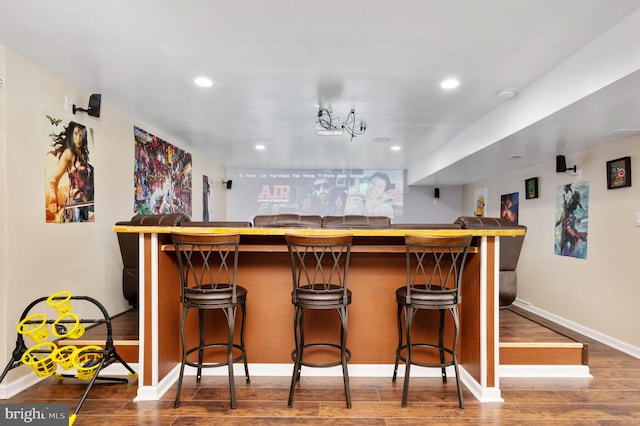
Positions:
{"x": 14, "y": 387}
{"x": 596, "y": 335}
{"x": 563, "y": 371}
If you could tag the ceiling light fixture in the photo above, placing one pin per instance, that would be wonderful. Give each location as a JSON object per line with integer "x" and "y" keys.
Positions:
{"x": 203, "y": 82}
{"x": 330, "y": 125}
{"x": 260, "y": 147}
{"x": 506, "y": 93}
{"x": 396, "y": 148}
{"x": 450, "y": 83}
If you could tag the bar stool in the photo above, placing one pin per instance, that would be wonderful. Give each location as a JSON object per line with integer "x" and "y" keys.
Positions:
{"x": 319, "y": 265}
{"x": 208, "y": 267}
{"x": 434, "y": 272}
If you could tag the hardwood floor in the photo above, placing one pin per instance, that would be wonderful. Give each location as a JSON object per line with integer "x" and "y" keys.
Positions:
{"x": 611, "y": 397}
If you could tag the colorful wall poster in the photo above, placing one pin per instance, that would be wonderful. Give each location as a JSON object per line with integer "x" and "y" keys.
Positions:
{"x": 162, "y": 176}
{"x": 69, "y": 175}
{"x": 509, "y": 204}
{"x": 572, "y": 220}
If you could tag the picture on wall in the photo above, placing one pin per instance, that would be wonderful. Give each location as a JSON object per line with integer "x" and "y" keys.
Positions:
{"x": 69, "y": 175}
{"x": 572, "y": 220}
{"x": 325, "y": 192}
{"x": 619, "y": 173}
{"x": 206, "y": 193}
{"x": 162, "y": 176}
{"x": 531, "y": 188}
{"x": 509, "y": 207}
{"x": 480, "y": 199}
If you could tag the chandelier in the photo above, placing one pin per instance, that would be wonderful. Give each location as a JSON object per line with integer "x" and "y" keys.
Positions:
{"x": 330, "y": 125}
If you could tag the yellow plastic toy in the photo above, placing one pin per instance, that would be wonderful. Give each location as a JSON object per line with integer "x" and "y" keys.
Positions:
{"x": 60, "y": 301}
{"x": 64, "y": 356}
{"x": 86, "y": 360}
{"x": 40, "y": 358}
{"x": 35, "y": 327}
{"x": 68, "y": 325}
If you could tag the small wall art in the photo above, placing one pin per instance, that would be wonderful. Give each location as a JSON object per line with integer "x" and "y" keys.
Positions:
{"x": 619, "y": 173}
{"x": 531, "y": 188}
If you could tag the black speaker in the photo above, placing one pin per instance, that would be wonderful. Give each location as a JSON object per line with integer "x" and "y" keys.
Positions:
{"x": 94, "y": 105}
{"x": 561, "y": 164}
{"x": 436, "y": 193}
{"x": 229, "y": 183}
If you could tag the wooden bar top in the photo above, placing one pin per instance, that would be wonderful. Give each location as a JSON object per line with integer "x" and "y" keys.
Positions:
{"x": 357, "y": 232}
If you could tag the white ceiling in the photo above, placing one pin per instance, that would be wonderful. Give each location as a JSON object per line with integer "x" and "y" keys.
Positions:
{"x": 574, "y": 64}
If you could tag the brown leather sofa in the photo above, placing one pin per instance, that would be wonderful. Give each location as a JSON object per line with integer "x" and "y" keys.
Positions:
{"x": 510, "y": 248}
{"x": 129, "y": 249}
{"x": 356, "y": 222}
{"x": 218, "y": 224}
{"x": 426, "y": 226}
{"x": 287, "y": 221}
{"x": 313, "y": 221}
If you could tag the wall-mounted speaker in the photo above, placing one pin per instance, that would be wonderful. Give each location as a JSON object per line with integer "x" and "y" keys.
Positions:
{"x": 436, "y": 193}
{"x": 561, "y": 164}
{"x": 94, "y": 106}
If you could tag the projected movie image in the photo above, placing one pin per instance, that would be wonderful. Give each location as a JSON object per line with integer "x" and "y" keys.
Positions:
{"x": 316, "y": 192}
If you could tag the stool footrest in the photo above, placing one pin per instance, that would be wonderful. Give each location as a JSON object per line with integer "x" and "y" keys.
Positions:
{"x": 322, "y": 365}
{"x": 239, "y": 358}
{"x": 427, "y": 346}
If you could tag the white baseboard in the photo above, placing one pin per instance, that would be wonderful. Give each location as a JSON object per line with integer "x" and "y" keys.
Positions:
{"x": 595, "y": 335}
{"x": 18, "y": 385}
{"x": 563, "y": 371}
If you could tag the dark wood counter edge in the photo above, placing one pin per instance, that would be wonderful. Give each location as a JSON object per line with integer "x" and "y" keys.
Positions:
{"x": 320, "y": 231}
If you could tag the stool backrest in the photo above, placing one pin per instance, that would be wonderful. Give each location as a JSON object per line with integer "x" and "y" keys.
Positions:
{"x": 208, "y": 263}
{"x": 319, "y": 263}
{"x": 435, "y": 264}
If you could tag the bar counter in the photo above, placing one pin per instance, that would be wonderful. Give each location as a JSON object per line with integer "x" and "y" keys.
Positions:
{"x": 377, "y": 268}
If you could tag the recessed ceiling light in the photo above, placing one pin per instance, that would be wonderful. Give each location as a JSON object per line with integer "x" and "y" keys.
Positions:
{"x": 203, "y": 82}
{"x": 449, "y": 83}
{"x": 260, "y": 147}
{"x": 396, "y": 148}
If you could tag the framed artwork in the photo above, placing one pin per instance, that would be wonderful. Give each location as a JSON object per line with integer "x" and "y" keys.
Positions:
{"x": 531, "y": 188}
{"x": 509, "y": 207}
{"x": 619, "y": 173}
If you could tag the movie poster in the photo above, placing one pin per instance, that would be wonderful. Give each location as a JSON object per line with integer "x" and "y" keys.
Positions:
{"x": 509, "y": 205}
{"x": 69, "y": 174}
{"x": 317, "y": 192}
{"x": 162, "y": 176}
{"x": 572, "y": 220}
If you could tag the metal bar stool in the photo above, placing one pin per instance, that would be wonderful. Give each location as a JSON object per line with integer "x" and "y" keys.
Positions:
{"x": 208, "y": 267}
{"x": 319, "y": 265}
{"x": 434, "y": 272}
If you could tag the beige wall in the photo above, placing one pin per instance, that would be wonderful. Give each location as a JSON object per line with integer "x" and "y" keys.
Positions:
{"x": 601, "y": 292}
{"x": 4, "y": 315}
{"x": 37, "y": 259}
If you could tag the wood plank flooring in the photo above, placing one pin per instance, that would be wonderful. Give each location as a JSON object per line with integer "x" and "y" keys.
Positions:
{"x": 611, "y": 397}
